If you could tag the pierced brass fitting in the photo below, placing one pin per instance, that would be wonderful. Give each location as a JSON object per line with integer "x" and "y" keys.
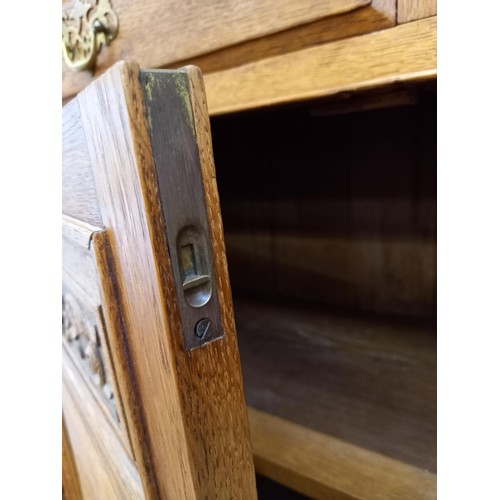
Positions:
{"x": 85, "y": 28}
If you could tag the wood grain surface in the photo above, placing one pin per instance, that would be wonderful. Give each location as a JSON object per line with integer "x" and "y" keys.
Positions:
{"x": 370, "y": 381}
{"x": 78, "y": 192}
{"x": 378, "y": 15}
{"x": 122, "y": 363}
{"x": 89, "y": 279}
{"x": 70, "y": 480}
{"x": 324, "y": 467}
{"x": 192, "y": 404}
{"x": 86, "y": 331}
{"x": 186, "y": 411}
{"x": 403, "y": 53}
{"x": 156, "y": 33}
{"x": 331, "y": 207}
{"x": 411, "y": 10}
{"x": 105, "y": 469}
{"x": 78, "y": 264}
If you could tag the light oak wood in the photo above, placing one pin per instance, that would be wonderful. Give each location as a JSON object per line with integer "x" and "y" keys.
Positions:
{"x": 403, "y": 53}
{"x": 104, "y": 467}
{"x": 70, "y": 480}
{"x": 186, "y": 416}
{"x": 78, "y": 192}
{"x": 337, "y": 209}
{"x": 122, "y": 364}
{"x": 78, "y": 263}
{"x": 353, "y": 231}
{"x": 324, "y": 467}
{"x": 156, "y": 33}
{"x": 186, "y": 410}
{"x": 89, "y": 276}
{"x": 378, "y": 15}
{"x": 412, "y": 10}
{"x": 366, "y": 379}
{"x": 378, "y": 99}
{"x": 85, "y": 331}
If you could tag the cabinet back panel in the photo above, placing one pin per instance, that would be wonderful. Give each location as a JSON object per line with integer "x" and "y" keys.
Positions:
{"x": 339, "y": 209}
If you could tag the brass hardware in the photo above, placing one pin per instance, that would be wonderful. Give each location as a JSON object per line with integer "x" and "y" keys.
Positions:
{"x": 202, "y": 329}
{"x": 184, "y": 204}
{"x": 85, "y": 28}
{"x": 195, "y": 265}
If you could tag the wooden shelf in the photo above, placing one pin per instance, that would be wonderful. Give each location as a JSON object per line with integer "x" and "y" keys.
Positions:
{"x": 323, "y": 467}
{"x": 351, "y": 384}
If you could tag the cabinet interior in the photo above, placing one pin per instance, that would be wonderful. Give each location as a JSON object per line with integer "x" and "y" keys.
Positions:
{"x": 329, "y": 211}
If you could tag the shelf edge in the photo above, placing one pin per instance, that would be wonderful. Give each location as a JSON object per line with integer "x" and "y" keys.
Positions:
{"x": 403, "y": 53}
{"x": 324, "y": 467}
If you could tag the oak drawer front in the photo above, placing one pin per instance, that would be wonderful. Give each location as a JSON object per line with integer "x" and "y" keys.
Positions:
{"x": 161, "y": 33}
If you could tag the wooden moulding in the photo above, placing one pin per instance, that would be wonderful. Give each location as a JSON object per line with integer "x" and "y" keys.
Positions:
{"x": 324, "y": 467}
{"x": 378, "y": 15}
{"x": 219, "y": 34}
{"x": 84, "y": 281}
{"x": 79, "y": 198}
{"x": 189, "y": 415}
{"x": 160, "y": 32}
{"x": 403, "y": 53}
{"x": 104, "y": 467}
{"x": 70, "y": 480}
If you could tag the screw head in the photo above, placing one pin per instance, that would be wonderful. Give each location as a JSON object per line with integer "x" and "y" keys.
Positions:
{"x": 203, "y": 330}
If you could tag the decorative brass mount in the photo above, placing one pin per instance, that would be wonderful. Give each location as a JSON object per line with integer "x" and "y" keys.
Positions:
{"x": 85, "y": 28}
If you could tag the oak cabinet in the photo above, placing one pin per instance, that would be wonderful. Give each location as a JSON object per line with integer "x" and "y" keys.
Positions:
{"x": 153, "y": 407}
{"x": 318, "y": 248}
{"x": 332, "y": 264}
{"x": 218, "y": 34}
{"x": 329, "y": 211}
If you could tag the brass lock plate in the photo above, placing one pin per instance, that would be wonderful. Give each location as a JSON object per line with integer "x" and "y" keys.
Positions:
{"x": 176, "y": 154}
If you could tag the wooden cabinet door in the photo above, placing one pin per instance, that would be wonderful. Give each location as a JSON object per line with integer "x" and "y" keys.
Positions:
{"x": 153, "y": 398}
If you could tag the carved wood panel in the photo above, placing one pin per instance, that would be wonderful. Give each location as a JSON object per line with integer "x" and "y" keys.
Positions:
{"x": 83, "y": 329}
{"x": 86, "y": 327}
